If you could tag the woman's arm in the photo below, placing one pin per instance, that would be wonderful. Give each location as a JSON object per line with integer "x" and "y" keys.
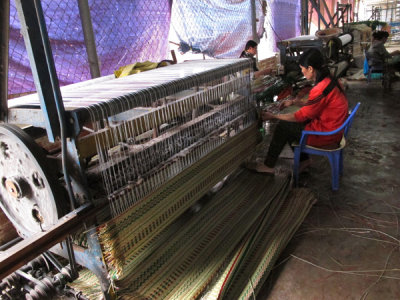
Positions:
{"x": 295, "y": 101}
{"x": 265, "y": 115}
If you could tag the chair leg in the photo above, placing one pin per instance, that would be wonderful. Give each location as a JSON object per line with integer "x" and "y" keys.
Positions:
{"x": 296, "y": 164}
{"x": 341, "y": 163}
{"x": 334, "y": 161}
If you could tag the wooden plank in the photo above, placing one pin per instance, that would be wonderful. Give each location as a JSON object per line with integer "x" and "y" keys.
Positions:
{"x": 7, "y": 230}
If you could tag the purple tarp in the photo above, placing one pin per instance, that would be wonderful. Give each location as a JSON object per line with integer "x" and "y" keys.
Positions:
{"x": 125, "y": 31}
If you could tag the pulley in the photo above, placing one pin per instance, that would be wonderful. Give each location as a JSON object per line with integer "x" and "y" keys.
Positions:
{"x": 30, "y": 194}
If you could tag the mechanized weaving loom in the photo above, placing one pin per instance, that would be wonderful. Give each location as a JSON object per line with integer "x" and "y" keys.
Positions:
{"x": 110, "y": 167}
{"x": 152, "y": 152}
{"x": 125, "y": 152}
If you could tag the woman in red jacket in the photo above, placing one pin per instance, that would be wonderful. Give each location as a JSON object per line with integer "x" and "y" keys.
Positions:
{"x": 325, "y": 110}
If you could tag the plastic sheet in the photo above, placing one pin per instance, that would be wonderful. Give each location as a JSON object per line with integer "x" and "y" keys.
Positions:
{"x": 126, "y": 31}
{"x": 216, "y": 28}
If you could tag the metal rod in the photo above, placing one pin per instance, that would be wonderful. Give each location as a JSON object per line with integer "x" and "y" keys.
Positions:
{"x": 304, "y": 18}
{"x": 71, "y": 257}
{"x": 4, "y": 40}
{"x": 33, "y": 29}
{"x": 254, "y": 21}
{"x": 328, "y": 12}
{"x": 28, "y": 277}
{"x": 320, "y": 16}
{"x": 53, "y": 260}
{"x": 10, "y": 243}
{"x": 88, "y": 34}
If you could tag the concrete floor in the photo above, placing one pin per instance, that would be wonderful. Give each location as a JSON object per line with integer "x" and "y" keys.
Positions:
{"x": 348, "y": 246}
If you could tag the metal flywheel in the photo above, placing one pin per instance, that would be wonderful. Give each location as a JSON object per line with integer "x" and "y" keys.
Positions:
{"x": 30, "y": 194}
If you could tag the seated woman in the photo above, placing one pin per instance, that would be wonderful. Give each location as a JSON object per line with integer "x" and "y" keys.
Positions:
{"x": 325, "y": 110}
{"x": 377, "y": 54}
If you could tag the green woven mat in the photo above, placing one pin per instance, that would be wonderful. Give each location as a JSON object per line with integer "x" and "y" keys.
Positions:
{"x": 88, "y": 284}
{"x": 189, "y": 260}
{"x": 128, "y": 238}
{"x": 248, "y": 272}
{"x": 155, "y": 251}
{"x": 225, "y": 251}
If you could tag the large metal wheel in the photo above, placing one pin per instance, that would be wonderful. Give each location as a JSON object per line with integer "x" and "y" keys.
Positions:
{"x": 30, "y": 194}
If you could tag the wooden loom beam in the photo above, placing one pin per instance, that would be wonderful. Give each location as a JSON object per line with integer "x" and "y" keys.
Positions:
{"x": 23, "y": 252}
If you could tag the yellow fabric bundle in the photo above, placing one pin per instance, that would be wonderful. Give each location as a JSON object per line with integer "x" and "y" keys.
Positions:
{"x": 135, "y": 68}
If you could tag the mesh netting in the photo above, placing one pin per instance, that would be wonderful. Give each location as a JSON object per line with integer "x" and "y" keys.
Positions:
{"x": 125, "y": 31}
{"x": 282, "y": 21}
{"x": 128, "y": 31}
{"x": 218, "y": 28}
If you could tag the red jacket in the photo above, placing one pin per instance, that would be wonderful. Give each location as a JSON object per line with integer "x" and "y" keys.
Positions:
{"x": 323, "y": 113}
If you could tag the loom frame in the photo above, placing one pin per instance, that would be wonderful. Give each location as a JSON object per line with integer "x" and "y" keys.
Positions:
{"x": 50, "y": 104}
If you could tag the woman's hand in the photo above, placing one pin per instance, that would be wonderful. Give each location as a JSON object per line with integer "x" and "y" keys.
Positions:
{"x": 265, "y": 116}
{"x": 285, "y": 103}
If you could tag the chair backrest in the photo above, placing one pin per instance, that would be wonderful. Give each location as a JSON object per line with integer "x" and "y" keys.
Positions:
{"x": 375, "y": 64}
{"x": 347, "y": 124}
{"x": 345, "y": 127}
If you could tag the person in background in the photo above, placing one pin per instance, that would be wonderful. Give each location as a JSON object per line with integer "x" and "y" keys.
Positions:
{"x": 326, "y": 109}
{"x": 377, "y": 54}
{"x": 250, "y": 51}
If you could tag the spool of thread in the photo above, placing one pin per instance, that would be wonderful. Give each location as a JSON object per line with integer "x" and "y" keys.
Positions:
{"x": 345, "y": 39}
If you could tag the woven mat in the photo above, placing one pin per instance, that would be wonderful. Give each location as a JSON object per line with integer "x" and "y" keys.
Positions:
{"x": 187, "y": 261}
{"x": 239, "y": 274}
{"x": 88, "y": 284}
{"x": 130, "y": 237}
{"x": 225, "y": 251}
{"x": 249, "y": 267}
{"x": 156, "y": 251}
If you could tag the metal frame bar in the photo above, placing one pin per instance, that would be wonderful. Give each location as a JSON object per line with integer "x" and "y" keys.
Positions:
{"x": 88, "y": 34}
{"x": 328, "y": 12}
{"x": 304, "y": 18}
{"x": 4, "y": 40}
{"x": 334, "y": 19}
{"x": 320, "y": 16}
{"x": 254, "y": 21}
{"x": 33, "y": 29}
{"x": 341, "y": 9}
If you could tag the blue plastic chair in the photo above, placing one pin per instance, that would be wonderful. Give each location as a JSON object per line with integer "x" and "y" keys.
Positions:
{"x": 380, "y": 71}
{"x": 335, "y": 156}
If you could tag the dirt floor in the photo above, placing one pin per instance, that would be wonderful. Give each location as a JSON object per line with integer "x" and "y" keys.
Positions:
{"x": 348, "y": 246}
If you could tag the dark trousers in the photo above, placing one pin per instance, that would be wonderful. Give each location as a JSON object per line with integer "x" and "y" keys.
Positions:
{"x": 285, "y": 132}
